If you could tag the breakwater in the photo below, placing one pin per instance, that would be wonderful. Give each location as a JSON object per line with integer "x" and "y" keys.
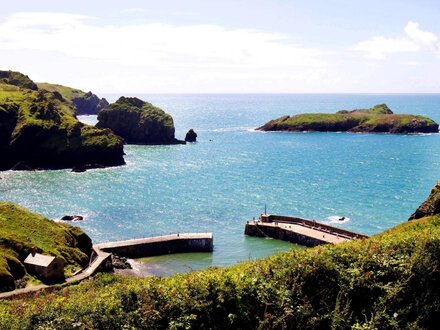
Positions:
{"x": 300, "y": 231}
{"x": 158, "y": 245}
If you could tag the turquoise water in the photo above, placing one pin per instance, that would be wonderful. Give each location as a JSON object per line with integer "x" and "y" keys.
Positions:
{"x": 215, "y": 185}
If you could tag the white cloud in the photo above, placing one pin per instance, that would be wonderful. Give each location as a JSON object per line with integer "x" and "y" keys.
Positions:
{"x": 415, "y": 40}
{"x": 379, "y": 47}
{"x": 154, "y": 44}
{"x": 421, "y": 37}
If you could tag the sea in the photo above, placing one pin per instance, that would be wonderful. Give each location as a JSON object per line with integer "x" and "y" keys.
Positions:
{"x": 233, "y": 173}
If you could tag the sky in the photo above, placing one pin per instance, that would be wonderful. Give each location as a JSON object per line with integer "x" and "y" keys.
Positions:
{"x": 191, "y": 46}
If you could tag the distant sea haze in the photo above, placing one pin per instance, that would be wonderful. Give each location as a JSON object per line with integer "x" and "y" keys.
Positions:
{"x": 375, "y": 181}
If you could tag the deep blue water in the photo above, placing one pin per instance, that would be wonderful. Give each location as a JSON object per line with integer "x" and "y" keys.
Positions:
{"x": 216, "y": 184}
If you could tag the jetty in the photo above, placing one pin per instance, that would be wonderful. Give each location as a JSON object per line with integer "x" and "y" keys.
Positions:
{"x": 297, "y": 230}
{"x": 158, "y": 245}
{"x": 134, "y": 248}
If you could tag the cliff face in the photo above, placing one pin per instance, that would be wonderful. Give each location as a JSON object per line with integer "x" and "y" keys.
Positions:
{"x": 431, "y": 206}
{"x": 379, "y": 119}
{"x": 83, "y": 103}
{"x": 89, "y": 104}
{"x": 138, "y": 122}
{"x": 39, "y": 128}
{"x": 22, "y": 230}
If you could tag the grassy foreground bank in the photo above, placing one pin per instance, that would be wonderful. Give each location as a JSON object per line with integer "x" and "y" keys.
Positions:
{"x": 389, "y": 281}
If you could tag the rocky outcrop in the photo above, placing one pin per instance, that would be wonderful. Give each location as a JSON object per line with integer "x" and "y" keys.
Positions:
{"x": 431, "y": 206}
{"x": 138, "y": 122}
{"x": 83, "y": 103}
{"x": 89, "y": 104}
{"x": 379, "y": 119}
{"x": 17, "y": 79}
{"x": 191, "y": 136}
{"x": 38, "y": 129}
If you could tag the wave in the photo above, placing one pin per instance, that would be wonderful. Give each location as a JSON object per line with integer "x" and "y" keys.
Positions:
{"x": 337, "y": 219}
{"x": 234, "y": 129}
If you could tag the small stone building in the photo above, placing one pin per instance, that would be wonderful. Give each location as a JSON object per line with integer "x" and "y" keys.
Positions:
{"x": 47, "y": 268}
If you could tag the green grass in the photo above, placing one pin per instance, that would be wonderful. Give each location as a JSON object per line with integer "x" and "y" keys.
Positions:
{"x": 68, "y": 93}
{"x": 389, "y": 281}
{"x": 17, "y": 79}
{"x": 21, "y": 230}
{"x": 40, "y": 127}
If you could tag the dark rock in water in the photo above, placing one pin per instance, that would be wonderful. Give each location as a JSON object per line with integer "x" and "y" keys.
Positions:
{"x": 138, "y": 122}
{"x": 120, "y": 262}
{"x": 431, "y": 206}
{"x": 191, "y": 136}
{"x": 72, "y": 218}
{"x": 79, "y": 168}
{"x": 22, "y": 166}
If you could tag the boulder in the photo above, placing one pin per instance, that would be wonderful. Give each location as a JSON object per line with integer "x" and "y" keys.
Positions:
{"x": 120, "y": 262}
{"x": 72, "y": 218}
{"x": 191, "y": 136}
{"x": 431, "y": 206}
{"x": 79, "y": 168}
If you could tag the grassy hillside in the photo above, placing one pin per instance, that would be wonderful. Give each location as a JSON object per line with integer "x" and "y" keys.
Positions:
{"x": 377, "y": 119}
{"x": 20, "y": 230}
{"x": 83, "y": 103}
{"x": 68, "y": 93}
{"x": 39, "y": 127}
{"x": 389, "y": 281}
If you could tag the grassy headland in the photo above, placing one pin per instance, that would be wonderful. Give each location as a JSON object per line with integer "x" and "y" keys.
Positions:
{"x": 22, "y": 230}
{"x": 379, "y": 119}
{"x": 39, "y": 128}
{"x": 82, "y": 102}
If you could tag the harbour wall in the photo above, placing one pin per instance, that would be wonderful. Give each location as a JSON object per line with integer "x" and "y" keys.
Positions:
{"x": 159, "y": 245}
{"x": 254, "y": 229}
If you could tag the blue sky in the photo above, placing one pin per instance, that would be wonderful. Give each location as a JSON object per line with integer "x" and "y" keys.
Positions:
{"x": 226, "y": 46}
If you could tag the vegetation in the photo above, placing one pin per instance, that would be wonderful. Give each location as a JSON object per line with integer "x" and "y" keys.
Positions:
{"x": 40, "y": 128}
{"x": 83, "y": 103}
{"x": 430, "y": 206}
{"x": 22, "y": 230}
{"x": 377, "y": 119}
{"x": 389, "y": 281}
{"x": 17, "y": 79}
{"x": 138, "y": 122}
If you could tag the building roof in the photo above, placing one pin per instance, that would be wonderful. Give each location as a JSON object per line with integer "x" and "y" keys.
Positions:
{"x": 39, "y": 259}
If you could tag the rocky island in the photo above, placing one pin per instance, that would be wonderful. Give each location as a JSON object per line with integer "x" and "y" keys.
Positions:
{"x": 82, "y": 102}
{"x": 138, "y": 122}
{"x": 379, "y": 119}
{"x": 39, "y": 129}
